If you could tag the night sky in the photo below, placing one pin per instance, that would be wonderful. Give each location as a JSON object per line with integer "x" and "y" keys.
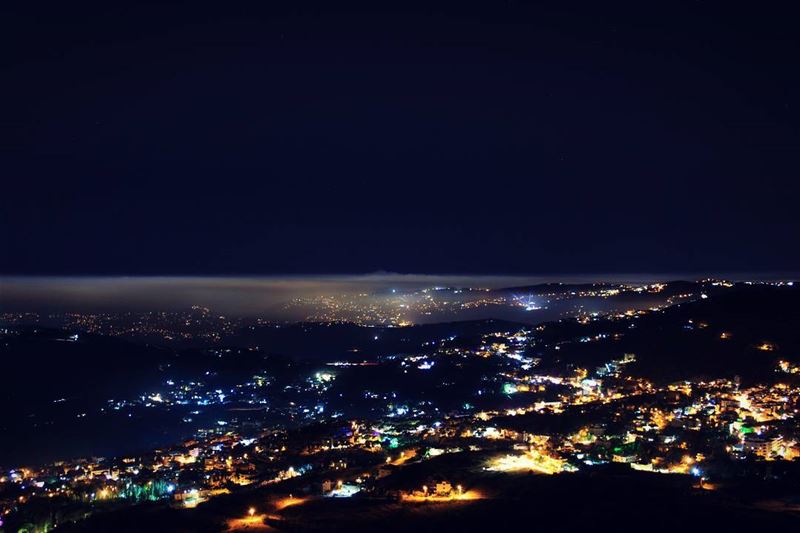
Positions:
{"x": 286, "y": 137}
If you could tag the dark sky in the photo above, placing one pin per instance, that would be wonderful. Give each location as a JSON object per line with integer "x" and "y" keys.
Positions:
{"x": 285, "y": 137}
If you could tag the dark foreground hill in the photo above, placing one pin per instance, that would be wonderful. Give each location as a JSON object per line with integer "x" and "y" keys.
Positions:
{"x": 606, "y": 499}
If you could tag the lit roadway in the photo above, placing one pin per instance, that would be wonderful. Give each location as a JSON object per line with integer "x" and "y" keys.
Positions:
{"x": 254, "y": 521}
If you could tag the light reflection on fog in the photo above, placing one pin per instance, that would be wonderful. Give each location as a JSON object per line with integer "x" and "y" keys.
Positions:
{"x": 289, "y": 298}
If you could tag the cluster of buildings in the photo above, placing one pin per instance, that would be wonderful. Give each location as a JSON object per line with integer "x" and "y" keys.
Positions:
{"x": 351, "y": 440}
{"x": 195, "y": 325}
